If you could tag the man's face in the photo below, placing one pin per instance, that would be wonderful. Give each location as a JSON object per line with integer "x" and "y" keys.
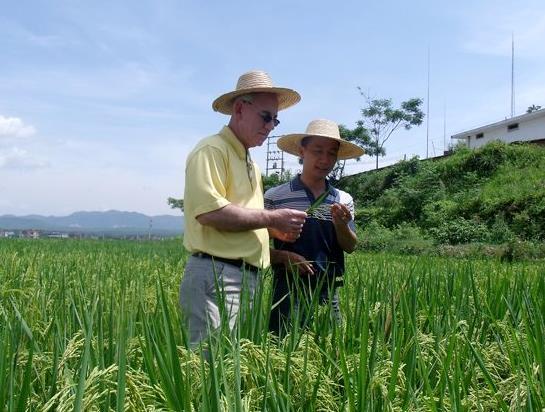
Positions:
{"x": 258, "y": 119}
{"x": 319, "y": 156}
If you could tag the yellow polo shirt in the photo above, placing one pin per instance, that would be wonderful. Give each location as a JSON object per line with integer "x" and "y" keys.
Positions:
{"x": 216, "y": 175}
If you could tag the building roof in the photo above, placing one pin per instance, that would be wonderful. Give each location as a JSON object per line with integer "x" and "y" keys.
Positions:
{"x": 523, "y": 117}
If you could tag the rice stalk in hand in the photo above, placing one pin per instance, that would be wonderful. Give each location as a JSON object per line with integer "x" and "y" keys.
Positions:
{"x": 316, "y": 204}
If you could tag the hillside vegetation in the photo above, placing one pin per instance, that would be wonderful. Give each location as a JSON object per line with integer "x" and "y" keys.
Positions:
{"x": 491, "y": 195}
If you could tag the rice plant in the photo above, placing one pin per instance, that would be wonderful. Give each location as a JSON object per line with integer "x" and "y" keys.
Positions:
{"x": 95, "y": 325}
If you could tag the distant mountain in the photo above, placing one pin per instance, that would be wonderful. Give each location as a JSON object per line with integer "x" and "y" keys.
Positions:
{"x": 95, "y": 222}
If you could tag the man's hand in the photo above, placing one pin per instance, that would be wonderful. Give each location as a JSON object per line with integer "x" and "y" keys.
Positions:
{"x": 345, "y": 236}
{"x": 286, "y": 224}
{"x": 298, "y": 263}
{"x": 340, "y": 214}
{"x": 292, "y": 261}
{"x": 283, "y": 236}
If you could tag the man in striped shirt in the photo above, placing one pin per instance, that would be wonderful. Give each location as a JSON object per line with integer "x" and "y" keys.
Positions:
{"x": 307, "y": 268}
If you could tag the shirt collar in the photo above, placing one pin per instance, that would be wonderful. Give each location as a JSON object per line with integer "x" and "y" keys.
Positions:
{"x": 232, "y": 139}
{"x": 297, "y": 184}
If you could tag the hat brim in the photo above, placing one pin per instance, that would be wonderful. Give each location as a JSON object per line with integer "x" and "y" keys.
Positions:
{"x": 291, "y": 144}
{"x": 286, "y": 98}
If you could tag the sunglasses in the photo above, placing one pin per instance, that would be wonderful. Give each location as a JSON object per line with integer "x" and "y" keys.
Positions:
{"x": 265, "y": 116}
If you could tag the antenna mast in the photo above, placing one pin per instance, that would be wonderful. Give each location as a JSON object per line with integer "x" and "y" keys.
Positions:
{"x": 428, "y": 109}
{"x": 512, "y": 75}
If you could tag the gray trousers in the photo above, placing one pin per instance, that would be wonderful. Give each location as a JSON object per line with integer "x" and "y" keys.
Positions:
{"x": 205, "y": 286}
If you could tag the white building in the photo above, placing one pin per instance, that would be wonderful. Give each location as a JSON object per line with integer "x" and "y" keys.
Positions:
{"x": 529, "y": 127}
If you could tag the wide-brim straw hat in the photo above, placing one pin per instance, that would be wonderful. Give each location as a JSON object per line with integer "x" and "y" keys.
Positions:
{"x": 255, "y": 81}
{"x": 291, "y": 143}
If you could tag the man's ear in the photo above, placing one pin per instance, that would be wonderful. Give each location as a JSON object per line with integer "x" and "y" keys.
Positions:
{"x": 237, "y": 107}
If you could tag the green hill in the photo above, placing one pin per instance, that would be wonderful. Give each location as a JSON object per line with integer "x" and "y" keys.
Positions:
{"x": 494, "y": 195}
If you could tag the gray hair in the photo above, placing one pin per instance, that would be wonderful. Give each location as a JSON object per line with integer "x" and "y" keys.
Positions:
{"x": 246, "y": 98}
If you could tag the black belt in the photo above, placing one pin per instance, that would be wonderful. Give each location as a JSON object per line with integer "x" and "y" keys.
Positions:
{"x": 235, "y": 262}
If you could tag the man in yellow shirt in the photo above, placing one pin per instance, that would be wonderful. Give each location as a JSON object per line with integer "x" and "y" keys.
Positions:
{"x": 225, "y": 222}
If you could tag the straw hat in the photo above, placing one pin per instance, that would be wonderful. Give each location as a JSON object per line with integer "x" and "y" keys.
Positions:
{"x": 324, "y": 128}
{"x": 255, "y": 81}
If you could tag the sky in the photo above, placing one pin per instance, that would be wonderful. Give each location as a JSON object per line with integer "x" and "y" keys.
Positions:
{"x": 100, "y": 102}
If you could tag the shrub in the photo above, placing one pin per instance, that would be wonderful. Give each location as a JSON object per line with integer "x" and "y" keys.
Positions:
{"x": 410, "y": 239}
{"x": 400, "y": 170}
{"x": 459, "y": 230}
{"x": 523, "y": 250}
{"x": 405, "y": 238}
{"x": 374, "y": 237}
{"x": 438, "y": 212}
{"x": 405, "y": 202}
{"x": 500, "y": 231}
{"x": 366, "y": 215}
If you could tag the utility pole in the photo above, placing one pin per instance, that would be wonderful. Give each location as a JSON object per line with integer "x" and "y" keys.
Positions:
{"x": 445, "y": 149}
{"x": 275, "y": 157}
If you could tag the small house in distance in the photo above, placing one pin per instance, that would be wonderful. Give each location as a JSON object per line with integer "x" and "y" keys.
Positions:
{"x": 529, "y": 127}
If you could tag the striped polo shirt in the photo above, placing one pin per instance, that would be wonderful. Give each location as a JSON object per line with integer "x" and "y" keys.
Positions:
{"x": 318, "y": 241}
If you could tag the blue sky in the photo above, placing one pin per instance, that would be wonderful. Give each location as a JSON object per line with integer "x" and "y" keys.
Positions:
{"x": 100, "y": 102}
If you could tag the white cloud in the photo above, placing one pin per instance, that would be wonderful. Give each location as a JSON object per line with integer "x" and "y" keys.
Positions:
{"x": 16, "y": 158}
{"x": 14, "y": 127}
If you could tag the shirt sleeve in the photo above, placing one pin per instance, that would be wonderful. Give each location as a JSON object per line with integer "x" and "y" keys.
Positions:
{"x": 348, "y": 201}
{"x": 206, "y": 177}
{"x": 268, "y": 200}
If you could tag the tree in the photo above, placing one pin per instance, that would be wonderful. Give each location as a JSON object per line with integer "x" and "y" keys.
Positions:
{"x": 359, "y": 136}
{"x": 176, "y": 203}
{"x": 275, "y": 179}
{"x": 380, "y": 120}
{"x": 533, "y": 108}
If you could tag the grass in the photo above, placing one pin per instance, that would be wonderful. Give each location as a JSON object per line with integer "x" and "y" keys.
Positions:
{"x": 94, "y": 325}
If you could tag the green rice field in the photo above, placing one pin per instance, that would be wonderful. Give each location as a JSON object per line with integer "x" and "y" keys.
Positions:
{"x": 95, "y": 326}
